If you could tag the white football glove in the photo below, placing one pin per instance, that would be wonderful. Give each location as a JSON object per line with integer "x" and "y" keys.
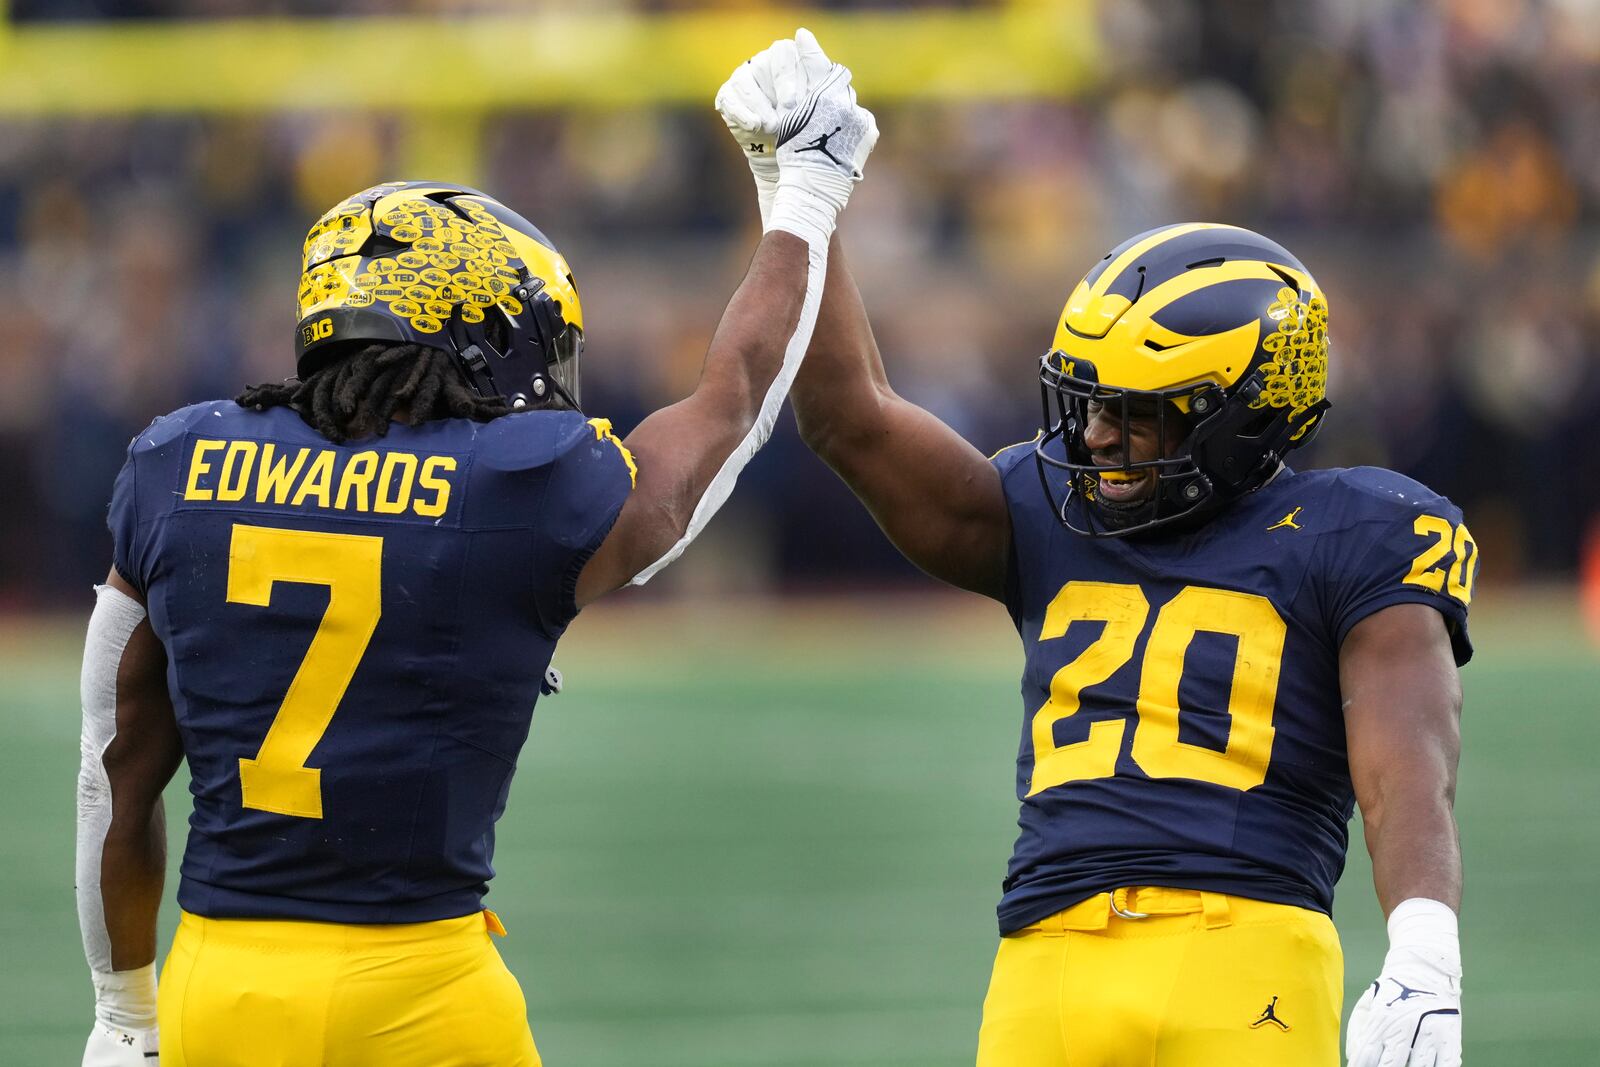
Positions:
{"x": 752, "y": 102}
{"x": 795, "y": 116}
{"x": 1411, "y": 1016}
{"x": 110, "y": 1046}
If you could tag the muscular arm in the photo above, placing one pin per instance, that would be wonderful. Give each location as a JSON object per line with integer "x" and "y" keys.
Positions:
{"x": 681, "y": 448}
{"x": 139, "y": 762}
{"x": 935, "y": 495}
{"x": 1402, "y": 708}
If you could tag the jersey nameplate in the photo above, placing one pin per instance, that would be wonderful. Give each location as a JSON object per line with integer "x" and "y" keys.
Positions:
{"x": 255, "y": 474}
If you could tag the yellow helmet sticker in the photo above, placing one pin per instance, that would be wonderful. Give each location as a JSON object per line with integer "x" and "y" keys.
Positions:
{"x": 445, "y": 259}
{"x": 1296, "y": 371}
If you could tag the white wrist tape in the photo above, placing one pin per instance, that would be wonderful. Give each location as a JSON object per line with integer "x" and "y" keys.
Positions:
{"x": 722, "y": 482}
{"x": 811, "y": 214}
{"x": 1429, "y": 931}
{"x": 126, "y": 999}
{"x": 766, "y": 194}
{"x": 122, "y": 998}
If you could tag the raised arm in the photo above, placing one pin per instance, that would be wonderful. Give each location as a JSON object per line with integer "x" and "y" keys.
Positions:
{"x": 130, "y": 750}
{"x": 1402, "y": 706}
{"x": 689, "y": 454}
{"x": 936, "y": 496}
{"x": 680, "y": 449}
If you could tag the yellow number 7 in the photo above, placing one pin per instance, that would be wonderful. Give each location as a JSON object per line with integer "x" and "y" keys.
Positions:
{"x": 277, "y": 779}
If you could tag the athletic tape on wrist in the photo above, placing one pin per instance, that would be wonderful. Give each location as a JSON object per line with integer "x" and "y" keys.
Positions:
{"x": 126, "y": 999}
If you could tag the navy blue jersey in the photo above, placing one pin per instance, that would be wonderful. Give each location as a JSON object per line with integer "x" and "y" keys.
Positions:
{"x": 356, "y": 636}
{"x": 1182, "y": 715}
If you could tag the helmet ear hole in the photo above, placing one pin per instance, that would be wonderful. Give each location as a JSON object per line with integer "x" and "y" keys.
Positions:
{"x": 1261, "y": 422}
{"x": 494, "y": 331}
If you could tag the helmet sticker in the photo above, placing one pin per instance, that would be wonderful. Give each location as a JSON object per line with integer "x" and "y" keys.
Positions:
{"x": 1296, "y": 369}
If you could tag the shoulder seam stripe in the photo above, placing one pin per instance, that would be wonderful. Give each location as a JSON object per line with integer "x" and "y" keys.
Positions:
{"x": 1018, "y": 444}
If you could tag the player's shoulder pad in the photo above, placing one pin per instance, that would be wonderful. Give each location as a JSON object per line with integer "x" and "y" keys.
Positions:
{"x": 534, "y": 439}
{"x": 1363, "y": 495}
{"x": 1392, "y": 540}
{"x": 172, "y": 427}
{"x": 1015, "y": 455}
{"x": 528, "y": 439}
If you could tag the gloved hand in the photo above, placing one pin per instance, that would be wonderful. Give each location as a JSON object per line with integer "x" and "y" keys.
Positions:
{"x": 1411, "y": 1016}
{"x": 795, "y": 116}
{"x": 110, "y": 1046}
{"x": 751, "y": 102}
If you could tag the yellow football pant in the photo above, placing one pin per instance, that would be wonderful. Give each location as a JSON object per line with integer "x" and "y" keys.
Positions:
{"x": 276, "y": 993}
{"x": 1207, "y": 980}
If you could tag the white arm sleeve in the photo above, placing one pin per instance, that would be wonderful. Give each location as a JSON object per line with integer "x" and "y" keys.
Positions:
{"x": 721, "y": 485}
{"x": 123, "y": 998}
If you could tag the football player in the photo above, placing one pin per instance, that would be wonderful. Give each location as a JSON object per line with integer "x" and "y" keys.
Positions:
{"x": 337, "y": 599}
{"x": 1222, "y": 655}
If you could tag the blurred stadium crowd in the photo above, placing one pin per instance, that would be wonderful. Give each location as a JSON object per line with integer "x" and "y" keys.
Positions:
{"x": 1437, "y": 164}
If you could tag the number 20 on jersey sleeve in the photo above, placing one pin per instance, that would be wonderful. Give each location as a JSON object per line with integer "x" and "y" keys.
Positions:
{"x": 1428, "y": 569}
{"x": 1156, "y": 748}
{"x": 350, "y": 565}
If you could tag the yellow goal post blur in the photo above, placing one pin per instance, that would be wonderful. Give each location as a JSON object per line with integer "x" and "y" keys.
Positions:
{"x": 548, "y": 59}
{"x": 445, "y": 73}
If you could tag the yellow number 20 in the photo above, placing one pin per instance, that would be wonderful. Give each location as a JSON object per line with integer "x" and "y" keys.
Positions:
{"x": 1156, "y": 748}
{"x": 1453, "y": 541}
{"x": 277, "y": 779}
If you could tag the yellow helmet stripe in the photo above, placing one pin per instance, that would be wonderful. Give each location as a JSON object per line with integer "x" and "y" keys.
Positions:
{"x": 1132, "y": 253}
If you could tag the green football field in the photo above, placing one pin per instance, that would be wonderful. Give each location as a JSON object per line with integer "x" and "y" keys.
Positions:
{"x": 772, "y": 833}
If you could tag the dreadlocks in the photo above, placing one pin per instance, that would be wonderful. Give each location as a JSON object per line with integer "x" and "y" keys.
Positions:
{"x": 357, "y": 396}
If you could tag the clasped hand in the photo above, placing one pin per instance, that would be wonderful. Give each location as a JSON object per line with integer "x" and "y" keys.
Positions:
{"x": 793, "y": 112}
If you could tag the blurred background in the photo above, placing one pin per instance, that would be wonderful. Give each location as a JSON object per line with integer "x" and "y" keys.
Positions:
{"x": 1436, "y": 163}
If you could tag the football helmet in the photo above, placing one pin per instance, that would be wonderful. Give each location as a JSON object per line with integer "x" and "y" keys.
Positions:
{"x": 1210, "y": 325}
{"x": 446, "y": 266}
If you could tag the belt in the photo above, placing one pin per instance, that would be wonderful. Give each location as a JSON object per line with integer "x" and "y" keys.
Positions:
{"x": 1133, "y": 904}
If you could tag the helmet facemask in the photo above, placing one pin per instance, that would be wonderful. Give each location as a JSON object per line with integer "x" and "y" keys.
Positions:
{"x": 1068, "y": 387}
{"x": 1231, "y": 444}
